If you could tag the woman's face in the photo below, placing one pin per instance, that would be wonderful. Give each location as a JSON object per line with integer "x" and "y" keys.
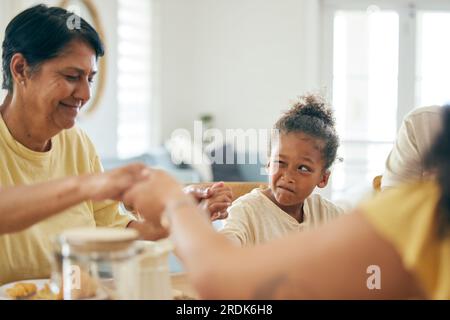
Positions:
{"x": 55, "y": 94}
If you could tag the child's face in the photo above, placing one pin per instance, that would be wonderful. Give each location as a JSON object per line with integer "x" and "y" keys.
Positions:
{"x": 296, "y": 167}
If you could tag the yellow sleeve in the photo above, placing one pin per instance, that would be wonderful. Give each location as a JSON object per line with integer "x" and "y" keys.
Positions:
{"x": 107, "y": 214}
{"x": 406, "y": 217}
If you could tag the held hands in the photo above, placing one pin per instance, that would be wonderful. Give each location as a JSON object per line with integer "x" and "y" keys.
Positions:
{"x": 113, "y": 184}
{"x": 151, "y": 196}
{"x": 148, "y": 191}
{"x": 215, "y": 199}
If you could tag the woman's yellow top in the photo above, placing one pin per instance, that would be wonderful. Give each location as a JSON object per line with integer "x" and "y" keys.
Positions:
{"x": 28, "y": 254}
{"x": 407, "y": 217}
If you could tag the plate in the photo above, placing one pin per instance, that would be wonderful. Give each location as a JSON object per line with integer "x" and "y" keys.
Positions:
{"x": 40, "y": 284}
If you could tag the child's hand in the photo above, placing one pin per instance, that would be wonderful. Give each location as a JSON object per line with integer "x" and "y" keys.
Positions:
{"x": 151, "y": 196}
{"x": 215, "y": 199}
{"x": 218, "y": 200}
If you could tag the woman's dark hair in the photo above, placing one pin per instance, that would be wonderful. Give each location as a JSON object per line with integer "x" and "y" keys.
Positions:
{"x": 41, "y": 33}
{"x": 311, "y": 115}
{"x": 438, "y": 160}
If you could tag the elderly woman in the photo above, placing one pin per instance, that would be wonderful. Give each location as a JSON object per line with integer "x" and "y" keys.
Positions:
{"x": 48, "y": 70}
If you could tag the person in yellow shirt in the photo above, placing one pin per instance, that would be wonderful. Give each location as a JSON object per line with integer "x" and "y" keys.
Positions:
{"x": 48, "y": 70}
{"x": 394, "y": 246}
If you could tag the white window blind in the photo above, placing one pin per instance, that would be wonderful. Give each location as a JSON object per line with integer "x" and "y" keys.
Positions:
{"x": 134, "y": 77}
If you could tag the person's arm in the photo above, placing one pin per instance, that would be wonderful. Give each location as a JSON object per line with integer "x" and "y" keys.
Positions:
{"x": 328, "y": 262}
{"x": 23, "y": 206}
{"x": 214, "y": 199}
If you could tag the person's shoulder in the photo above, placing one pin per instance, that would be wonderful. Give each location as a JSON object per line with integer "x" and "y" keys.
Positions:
{"x": 407, "y": 198}
{"x": 421, "y": 124}
{"x": 424, "y": 188}
{"x": 76, "y": 134}
{"x": 315, "y": 200}
{"x": 424, "y": 113}
{"x": 78, "y": 140}
{"x": 253, "y": 197}
{"x": 250, "y": 202}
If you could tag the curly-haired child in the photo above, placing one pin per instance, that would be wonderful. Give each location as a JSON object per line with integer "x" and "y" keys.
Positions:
{"x": 300, "y": 160}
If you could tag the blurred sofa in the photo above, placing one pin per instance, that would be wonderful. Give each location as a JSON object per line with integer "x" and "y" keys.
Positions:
{"x": 157, "y": 158}
{"x": 185, "y": 173}
{"x": 252, "y": 170}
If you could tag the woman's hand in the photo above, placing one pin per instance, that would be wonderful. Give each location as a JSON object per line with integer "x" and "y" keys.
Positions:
{"x": 114, "y": 183}
{"x": 215, "y": 199}
{"x": 150, "y": 196}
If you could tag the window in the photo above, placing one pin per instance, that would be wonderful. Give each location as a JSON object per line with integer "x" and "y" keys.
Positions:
{"x": 365, "y": 76}
{"x": 386, "y": 58}
{"x": 134, "y": 77}
{"x": 433, "y": 63}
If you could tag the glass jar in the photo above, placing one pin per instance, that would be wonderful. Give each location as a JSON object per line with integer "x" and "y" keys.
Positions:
{"x": 154, "y": 275}
{"x": 96, "y": 263}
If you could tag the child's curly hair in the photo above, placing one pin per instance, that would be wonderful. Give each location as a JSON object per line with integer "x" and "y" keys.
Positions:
{"x": 312, "y": 115}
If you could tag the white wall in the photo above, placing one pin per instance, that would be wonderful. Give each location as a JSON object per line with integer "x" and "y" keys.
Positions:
{"x": 101, "y": 126}
{"x": 241, "y": 60}
{"x": 7, "y": 9}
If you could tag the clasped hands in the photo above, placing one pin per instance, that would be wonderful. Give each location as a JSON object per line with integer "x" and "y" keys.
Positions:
{"x": 147, "y": 190}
